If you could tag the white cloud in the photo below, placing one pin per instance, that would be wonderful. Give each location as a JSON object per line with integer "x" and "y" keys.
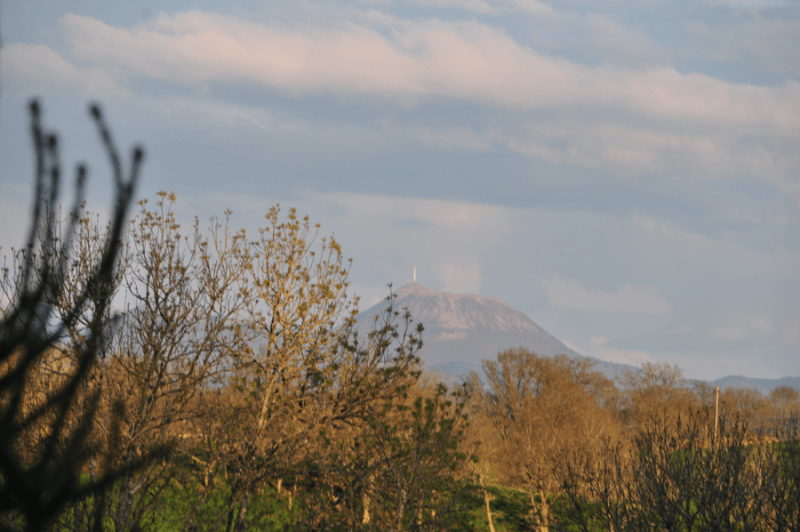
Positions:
{"x": 233, "y": 115}
{"x": 706, "y": 367}
{"x": 630, "y": 147}
{"x": 450, "y": 215}
{"x": 664, "y": 246}
{"x": 428, "y": 58}
{"x": 775, "y": 43}
{"x": 459, "y": 215}
{"x": 570, "y": 345}
{"x": 790, "y": 334}
{"x": 531, "y": 7}
{"x": 369, "y": 295}
{"x": 454, "y": 139}
{"x": 694, "y": 365}
{"x": 475, "y": 6}
{"x": 600, "y": 349}
{"x": 449, "y": 241}
{"x": 620, "y": 45}
{"x": 195, "y": 47}
{"x": 598, "y": 341}
{"x": 41, "y": 67}
{"x": 624, "y": 356}
{"x": 461, "y": 278}
{"x": 448, "y": 246}
{"x": 625, "y": 117}
{"x": 760, "y": 323}
{"x": 568, "y": 294}
{"x": 741, "y": 328}
{"x": 750, "y": 4}
{"x": 768, "y": 44}
{"x": 729, "y": 332}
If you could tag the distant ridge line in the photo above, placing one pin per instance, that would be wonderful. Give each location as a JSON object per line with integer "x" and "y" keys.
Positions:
{"x": 461, "y": 330}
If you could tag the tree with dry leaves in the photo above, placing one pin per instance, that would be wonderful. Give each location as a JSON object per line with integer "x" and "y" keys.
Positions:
{"x": 653, "y": 391}
{"x": 175, "y": 342}
{"x": 303, "y": 369}
{"x": 534, "y": 410}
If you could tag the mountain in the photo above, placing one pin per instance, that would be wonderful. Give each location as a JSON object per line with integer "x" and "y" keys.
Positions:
{"x": 763, "y": 385}
{"x": 463, "y": 329}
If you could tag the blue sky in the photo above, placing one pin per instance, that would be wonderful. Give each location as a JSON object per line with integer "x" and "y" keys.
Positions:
{"x": 626, "y": 173}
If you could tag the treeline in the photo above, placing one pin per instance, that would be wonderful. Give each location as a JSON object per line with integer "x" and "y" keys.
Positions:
{"x": 650, "y": 452}
{"x": 156, "y": 377}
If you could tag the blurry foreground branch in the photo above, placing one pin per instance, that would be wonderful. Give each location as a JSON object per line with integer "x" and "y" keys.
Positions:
{"x": 36, "y": 485}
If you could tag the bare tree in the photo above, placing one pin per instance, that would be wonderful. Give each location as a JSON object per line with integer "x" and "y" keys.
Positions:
{"x": 654, "y": 391}
{"x": 785, "y": 402}
{"x": 536, "y": 409}
{"x": 176, "y": 340}
{"x": 305, "y": 368}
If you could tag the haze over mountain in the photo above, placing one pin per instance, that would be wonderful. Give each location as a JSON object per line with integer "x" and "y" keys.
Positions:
{"x": 463, "y": 329}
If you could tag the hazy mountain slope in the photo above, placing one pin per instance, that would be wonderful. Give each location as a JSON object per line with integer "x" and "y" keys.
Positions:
{"x": 463, "y": 329}
{"x": 763, "y": 385}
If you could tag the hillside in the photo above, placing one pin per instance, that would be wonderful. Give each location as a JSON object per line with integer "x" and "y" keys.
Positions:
{"x": 463, "y": 329}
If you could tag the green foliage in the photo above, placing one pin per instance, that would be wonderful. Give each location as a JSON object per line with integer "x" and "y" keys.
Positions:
{"x": 399, "y": 470}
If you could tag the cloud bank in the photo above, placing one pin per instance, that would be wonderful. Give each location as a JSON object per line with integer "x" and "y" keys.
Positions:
{"x": 411, "y": 60}
{"x": 568, "y": 294}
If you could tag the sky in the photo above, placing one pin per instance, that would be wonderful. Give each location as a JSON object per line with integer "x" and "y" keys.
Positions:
{"x": 627, "y": 173}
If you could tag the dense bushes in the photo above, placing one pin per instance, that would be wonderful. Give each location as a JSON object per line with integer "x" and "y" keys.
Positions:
{"x": 682, "y": 478}
{"x": 648, "y": 456}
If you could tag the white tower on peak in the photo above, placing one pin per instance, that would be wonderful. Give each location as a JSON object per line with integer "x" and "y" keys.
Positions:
{"x": 415, "y": 274}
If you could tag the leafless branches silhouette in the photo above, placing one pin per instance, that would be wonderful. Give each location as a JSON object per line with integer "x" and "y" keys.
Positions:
{"x": 36, "y": 486}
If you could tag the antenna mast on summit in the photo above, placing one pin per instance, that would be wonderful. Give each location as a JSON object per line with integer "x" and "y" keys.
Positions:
{"x": 415, "y": 274}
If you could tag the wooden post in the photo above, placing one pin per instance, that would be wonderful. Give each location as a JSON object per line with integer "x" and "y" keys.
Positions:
{"x": 716, "y": 415}
{"x": 486, "y": 502}
{"x": 366, "y": 496}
